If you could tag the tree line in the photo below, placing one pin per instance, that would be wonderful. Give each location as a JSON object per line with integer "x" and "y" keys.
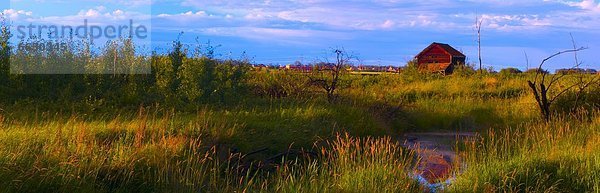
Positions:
{"x": 116, "y": 73}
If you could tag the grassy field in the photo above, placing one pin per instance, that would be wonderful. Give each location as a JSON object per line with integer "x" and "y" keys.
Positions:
{"x": 301, "y": 143}
{"x": 200, "y": 124}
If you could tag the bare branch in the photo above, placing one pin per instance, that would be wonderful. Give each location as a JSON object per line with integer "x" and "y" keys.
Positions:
{"x": 526, "y": 60}
{"x": 333, "y": 70}
{"x": 539, "y": 69}
{"x": 542, "y": 89}
{"x": 561, "y": 93}
{"x": 555, "y": 78}
{"x": 577, "y": 63}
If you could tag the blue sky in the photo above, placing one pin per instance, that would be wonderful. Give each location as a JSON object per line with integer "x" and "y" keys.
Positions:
{"x": 379, "y": 32}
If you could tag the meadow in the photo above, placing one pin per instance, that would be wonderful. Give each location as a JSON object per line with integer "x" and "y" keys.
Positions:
{"x": 202, "y": 124}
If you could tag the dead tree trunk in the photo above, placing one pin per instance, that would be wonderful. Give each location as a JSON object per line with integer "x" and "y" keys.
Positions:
{"x": 541, "y": 96}
{"x": 541, "y": 87}
{"x": 478, "y": 23}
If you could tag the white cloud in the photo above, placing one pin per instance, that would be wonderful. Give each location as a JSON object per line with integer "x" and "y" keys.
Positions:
{"x": 356, "y": 15}
{"x": 388, "y": 24}
{"x": 13, "y": 14}
{"x": 290, "y": 36}
{"x": 96, "y": 16}
{"x": 590, "y": 5}
{"x": 186, "y": 14}
{"x": 378, "y": 14}
{"x": 514, "y": 22}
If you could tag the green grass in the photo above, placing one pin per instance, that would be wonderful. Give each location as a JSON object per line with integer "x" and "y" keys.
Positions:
{"x": 561, "y": 156}
{"x": 199, "y": 124}
{"x": 79, "y": 147}
{"x": 159, "y": 156}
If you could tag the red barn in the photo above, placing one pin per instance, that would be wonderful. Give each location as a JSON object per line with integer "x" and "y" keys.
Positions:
{"x": 441, "y": 58}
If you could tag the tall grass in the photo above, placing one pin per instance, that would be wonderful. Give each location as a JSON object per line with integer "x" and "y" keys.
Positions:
{"x": 350, "y": 164}
{"x": 160, "y": 150}
{"x": 151, "y": 154}
{"x": 560, "y": 156}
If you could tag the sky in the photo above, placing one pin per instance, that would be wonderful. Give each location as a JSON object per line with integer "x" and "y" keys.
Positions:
{"x": 515, "y": 33}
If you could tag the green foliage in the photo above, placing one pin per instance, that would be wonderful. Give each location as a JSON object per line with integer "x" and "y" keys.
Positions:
{"x": 508, "y": 72}
{"x": 465, "y": 70}
{"x": 5, "y": 51}
{"x": 115, "y": 76}
{"x": 176, "y": 56}
{"x": 576, "y": 101}
{"x": 412, "y": 73}
{"x": 279, "y": 84}
{"x": 534, "y": 70}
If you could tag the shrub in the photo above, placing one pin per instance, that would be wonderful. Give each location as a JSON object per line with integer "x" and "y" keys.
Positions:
{"x": 112, "y": 75}
{"x": 535, "y": 70}
{"x": 510, "y": 71}
{"x": 574, "y": 102}
{"x": 464, "y": 70}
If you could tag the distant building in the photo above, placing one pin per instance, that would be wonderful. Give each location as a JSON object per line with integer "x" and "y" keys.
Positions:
{"x": 372, "y": 68}
{"x": 299, "y": 68}
{"x": 259, "y": 67}
{"x": 440, "y": 58}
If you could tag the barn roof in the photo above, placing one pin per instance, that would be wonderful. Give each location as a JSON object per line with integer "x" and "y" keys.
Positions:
{"x": 453, "y": 52}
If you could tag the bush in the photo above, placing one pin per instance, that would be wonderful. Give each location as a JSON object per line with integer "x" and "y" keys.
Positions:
{"x": 535, "y": 70}
{"x": 112, "y": 75}
{"x": 4, "y": 60}
{"x": 510, "y": 71}
{"x": 276, "y": 84}
{"x": 464, "y": 70}
{"x": 575, "y": 102}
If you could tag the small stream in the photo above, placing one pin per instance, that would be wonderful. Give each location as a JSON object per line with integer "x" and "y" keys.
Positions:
{"x": 435, "y": 187}
{"x": 438, "y": 157}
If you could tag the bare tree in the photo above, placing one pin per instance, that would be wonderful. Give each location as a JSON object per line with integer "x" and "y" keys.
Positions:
{"x": 542, "y": 84}
{"x": 478, "y": 24}
{"x": 329, "y": 73}
{"x": 582, "y": 83}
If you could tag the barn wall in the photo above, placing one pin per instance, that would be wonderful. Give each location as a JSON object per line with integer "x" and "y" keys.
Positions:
{"x": 458, "y": 61}
{"x": 434, "y": 55}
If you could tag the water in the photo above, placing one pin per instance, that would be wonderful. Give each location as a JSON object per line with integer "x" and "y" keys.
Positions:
{"x": 435, "y": 187}
{"x": 436, "y": 156}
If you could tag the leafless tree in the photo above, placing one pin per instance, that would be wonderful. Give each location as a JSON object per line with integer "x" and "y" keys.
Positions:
{"x": 478, "y": 25}
{"x": 582, "y": 83}
{"x": 328, "y": 74}
{"x": 541, "y": 85}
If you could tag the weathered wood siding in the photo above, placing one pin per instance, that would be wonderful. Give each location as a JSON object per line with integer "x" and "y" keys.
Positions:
{"x": 435, "y": 55}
